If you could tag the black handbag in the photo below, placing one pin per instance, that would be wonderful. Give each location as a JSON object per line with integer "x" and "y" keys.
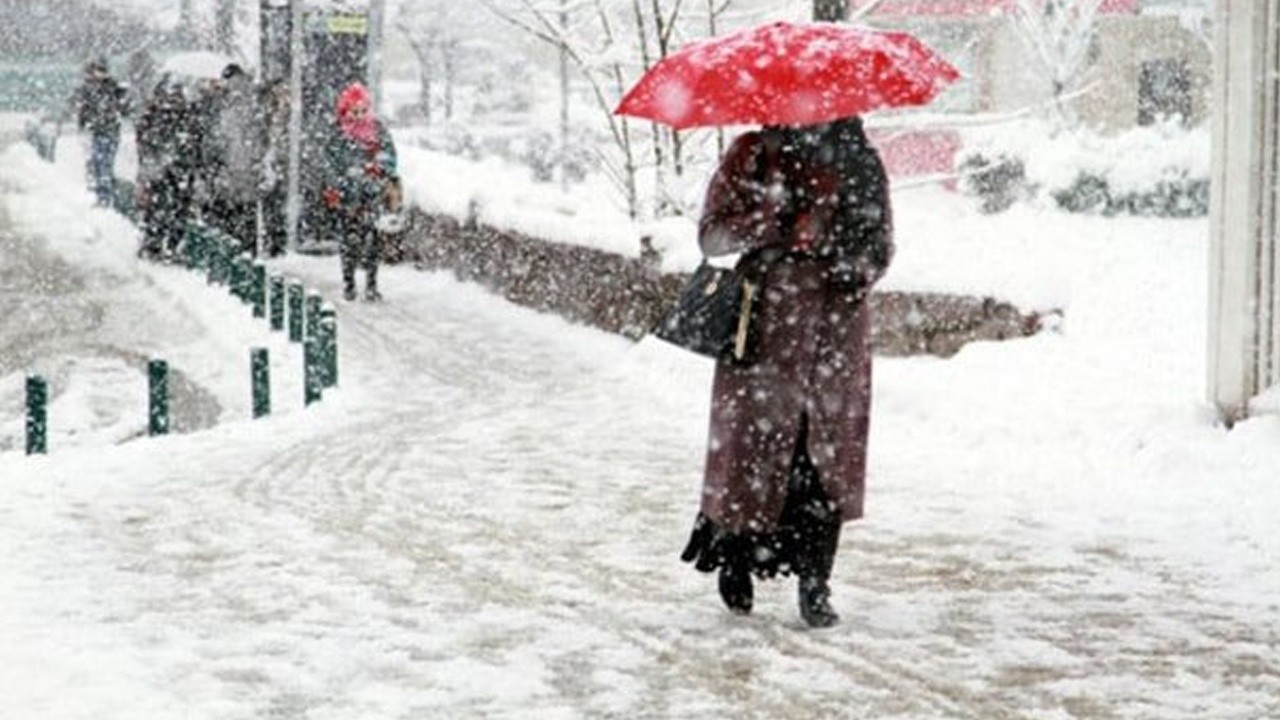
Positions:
{"x": 714, "y": 315}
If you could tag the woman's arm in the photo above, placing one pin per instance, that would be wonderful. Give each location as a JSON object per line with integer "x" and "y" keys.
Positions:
{"x": 746, "y": 201}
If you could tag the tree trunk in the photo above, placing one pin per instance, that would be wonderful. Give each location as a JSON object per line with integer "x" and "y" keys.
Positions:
{"x": 424, "y": 89}
{"x": 564, "y": 98}
{"x": 831, "y": 10}
{"x": 449, "y": 54}
{"x": 224, "y": 27}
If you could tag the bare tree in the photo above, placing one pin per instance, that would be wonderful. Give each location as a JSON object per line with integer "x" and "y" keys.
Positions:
{"x": 434, "y": 30}
{"x": 611, "y": 43}
{"x": 1059, "y": 36}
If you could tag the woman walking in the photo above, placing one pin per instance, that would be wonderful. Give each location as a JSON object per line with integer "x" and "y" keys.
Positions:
{"x": 808, "y": 206}
{"x": 361, "y": 167}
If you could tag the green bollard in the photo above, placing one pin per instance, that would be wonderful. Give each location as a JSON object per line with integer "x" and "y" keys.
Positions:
{"x": 158, "y": 373}
{"x": 312, "y": 380}
{"x": 37, "y": 415}
{"x": 260, "y": 379}
{"x": 242, "y": 279}
{"x": 220, "y": 261}
{"x": 212, "y": 258}
{"x": 194, "y": 245}
{"x": 295, "y": 312}
{"x": 258, "y": 289}
{"x": 275, "y": 302}
{"x": 314, "y": 301}
{"x": 328, "y": 331}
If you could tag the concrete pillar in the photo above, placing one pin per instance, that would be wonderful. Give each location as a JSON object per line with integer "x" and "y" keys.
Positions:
{"x": 1244, "y": 305}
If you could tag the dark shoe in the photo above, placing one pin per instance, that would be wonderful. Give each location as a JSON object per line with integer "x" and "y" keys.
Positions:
{"x": 736, "y": 589}
{"x": 815, "y": 602}
{"x": 372, "y": 294}
{"x": 349, "y": 293}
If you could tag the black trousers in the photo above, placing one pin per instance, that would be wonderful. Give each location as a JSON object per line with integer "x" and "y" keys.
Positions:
{"x": 359, "y": 246}
{"x": 165, "y": 217}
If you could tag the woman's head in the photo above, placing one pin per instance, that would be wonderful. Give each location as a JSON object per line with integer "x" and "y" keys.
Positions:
{"x": 354, "y": 101}
{"x": 355, "y": 114}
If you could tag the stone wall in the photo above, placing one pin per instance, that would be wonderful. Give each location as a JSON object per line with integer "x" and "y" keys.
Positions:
{"x": 628, "y": 295}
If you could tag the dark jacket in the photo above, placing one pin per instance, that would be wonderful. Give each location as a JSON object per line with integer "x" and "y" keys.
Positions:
{"x": 360, "y": 174}
{"x": 166, "y": 135}
{"x": 814, "y": 209}
{"x": 100, "y": 103}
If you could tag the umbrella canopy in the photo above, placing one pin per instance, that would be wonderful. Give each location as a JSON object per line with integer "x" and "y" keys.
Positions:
{"x": 788, "y": 74}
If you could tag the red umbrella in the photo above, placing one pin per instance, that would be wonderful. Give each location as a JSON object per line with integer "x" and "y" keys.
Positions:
{"x": 788, "y": 74}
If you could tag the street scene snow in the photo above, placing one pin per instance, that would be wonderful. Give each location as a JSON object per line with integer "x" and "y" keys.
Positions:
{"x": 483, "y": 520}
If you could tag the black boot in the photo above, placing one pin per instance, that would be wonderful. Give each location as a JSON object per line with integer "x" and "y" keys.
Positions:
{"x": 736, "y": 589}
{"x": 815, "y": 602}
{"x": 820, "y": 537}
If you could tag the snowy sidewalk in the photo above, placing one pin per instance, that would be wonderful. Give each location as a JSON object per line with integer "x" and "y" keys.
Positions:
{"x": 484, "y": 522}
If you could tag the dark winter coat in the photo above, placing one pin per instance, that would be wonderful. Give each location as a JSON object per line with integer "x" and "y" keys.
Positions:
{"x": 360, "y": 174}
{"x": 99, "y": 105}
{"x": 814, "y": 209}
{"x": 166, "y": 135}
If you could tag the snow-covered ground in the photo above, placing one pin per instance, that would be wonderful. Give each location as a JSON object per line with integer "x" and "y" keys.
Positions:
{"x": 484, "y": 520}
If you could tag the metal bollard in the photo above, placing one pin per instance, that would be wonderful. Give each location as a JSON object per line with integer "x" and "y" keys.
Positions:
{"x": 242, "y": 278}
{"x": 220, "y": 262}
{"x": 158, "y": 374}
{"x": 191, "y": 245}
{"x": 314, "y": 302}
{"x": 295, "y": 312}
{"x": 312, "y": 380}
{"x": 328, "y": 331}
{"x": 275, "y": 302}
{"x": 258, "y": 289}
{"x": 37, "y": 415}
{"x": 260, "y": 380}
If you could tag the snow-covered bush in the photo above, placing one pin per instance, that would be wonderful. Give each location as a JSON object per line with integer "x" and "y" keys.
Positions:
{"x": 997, "y": 181}
{"x": 1161, "y": 170}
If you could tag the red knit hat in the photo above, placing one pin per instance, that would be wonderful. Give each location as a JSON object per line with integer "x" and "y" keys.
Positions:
{"x": 354, "y": 94}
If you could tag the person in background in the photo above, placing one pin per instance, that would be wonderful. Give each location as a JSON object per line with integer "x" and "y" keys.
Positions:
{"x": 360, "y": 169}
{"x": 166, "y": 157}
{"x": 236, "y": 147}
{"x": 787, "y": 448}
{"x": 275, "y": 168}
{"x": 100, "y": 103}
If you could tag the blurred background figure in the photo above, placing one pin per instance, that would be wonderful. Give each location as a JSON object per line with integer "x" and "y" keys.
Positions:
{"x": 166, "y": 139}
{"x": 100, "y": 102}
{"x": 275, "y": 166}
{"x": 236, "y": 147}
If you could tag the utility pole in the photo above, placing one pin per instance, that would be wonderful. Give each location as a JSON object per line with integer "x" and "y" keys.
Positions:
{"x": 831, "y": 10}
{"x": 185, "y": 29}
{"x": 377, "y": 24}
{"x": 293, "y": 202}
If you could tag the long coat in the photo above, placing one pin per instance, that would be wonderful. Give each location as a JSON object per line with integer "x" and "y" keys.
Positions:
{"x": 823, "y": 212}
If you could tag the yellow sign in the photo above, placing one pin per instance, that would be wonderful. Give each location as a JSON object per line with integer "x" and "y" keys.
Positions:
{"x": 348, "y": 25}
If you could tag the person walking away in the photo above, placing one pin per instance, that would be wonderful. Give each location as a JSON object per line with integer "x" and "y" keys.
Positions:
{"x": 166, "y": 151}
{"x": 237, "y": 145}
{"x": 100, "y": 102}
{"x": 275, "y": 168}
{"x": 361, "y": 165}
{"x": 787, "y": 450}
